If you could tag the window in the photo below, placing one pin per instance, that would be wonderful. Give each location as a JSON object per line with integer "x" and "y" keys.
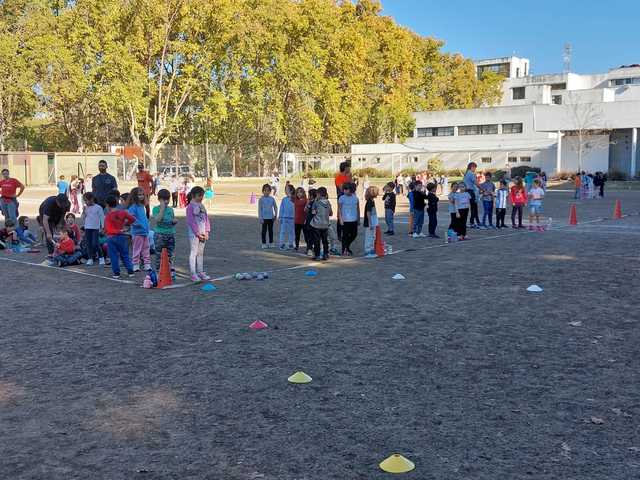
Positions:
{"x": 489, "y": 129}
{"x": 625, "y": 81}
{"x": 377, "y": 159}
{"x": 499, "y": 68}
{"x": 478, "y": 130}
{"x": 510, "y": 128}
{"x": 436, "y": 132}
{"x": 558, "y": 86}
{"x": 556, "y": 99}
{"x": 416, "y": 159}
{"x": 525, "y": 159}
{"x": 512, "y": 160}
{"x": 518, "y": 93}
{"x": 486, "y": 160}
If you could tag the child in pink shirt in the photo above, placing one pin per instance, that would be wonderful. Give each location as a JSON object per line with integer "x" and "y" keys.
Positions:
{"x": 198, "y": 228}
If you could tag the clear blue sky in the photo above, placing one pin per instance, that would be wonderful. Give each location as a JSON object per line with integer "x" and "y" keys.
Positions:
{"x": 604, "y": 34}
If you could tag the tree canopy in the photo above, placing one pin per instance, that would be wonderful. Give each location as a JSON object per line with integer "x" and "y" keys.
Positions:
{"x": 297, "y": 75}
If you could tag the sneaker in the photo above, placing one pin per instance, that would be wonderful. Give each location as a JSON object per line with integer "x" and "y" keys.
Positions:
{"x": 325, "y": 258}
{"x": 204, "y": 276}
{"x": 264, "y": 246}
{"x": 195, "y": 278}
{"x": 415, "y": 235}
{"x": 422, "y": 235}
{"x": 309, "y": 253}
{"x": 391, "y": 234}
{"x": 316, "y": 259}
{"x": 291, "y": 247}
{"x": 136, "y": 268}
{"x": 282, "y": 247}
{"x": 173, "y": 275}
{"x": 147, "y": 268}
{"x": 89, "y": 263}
{"x": 521, "y": 227}
{"x": 371, "y": 255}
{"x": 481, "y": 227}
{"x": 101, "y": 261}
{"x": 115, "y": 277}
{"x": 434, "y": 236}
{"x": 541, "y": 229}
{"x": 271, "y": 245}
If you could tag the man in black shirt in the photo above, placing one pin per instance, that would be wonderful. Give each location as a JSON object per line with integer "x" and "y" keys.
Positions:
{"x": 51, "y": 216}
{"x": 103, "y": 184}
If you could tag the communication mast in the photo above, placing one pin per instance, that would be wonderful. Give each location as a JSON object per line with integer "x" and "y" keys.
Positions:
{"x": 566, "y": 57}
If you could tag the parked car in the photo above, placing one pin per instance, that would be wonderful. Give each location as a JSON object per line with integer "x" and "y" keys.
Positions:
{"x": 180, "y": 170}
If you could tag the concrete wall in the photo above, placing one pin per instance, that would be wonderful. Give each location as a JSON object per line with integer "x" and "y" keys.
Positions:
{"x": 31, "y": 168}
{"x": 594, "y": 159}
{"x": 82, "y": 164}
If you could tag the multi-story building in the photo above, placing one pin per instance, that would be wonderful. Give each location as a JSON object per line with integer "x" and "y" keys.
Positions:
{"x": 560, "y": 122}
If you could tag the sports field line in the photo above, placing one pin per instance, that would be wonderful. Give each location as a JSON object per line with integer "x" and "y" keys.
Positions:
{"x": 67, "y": 269}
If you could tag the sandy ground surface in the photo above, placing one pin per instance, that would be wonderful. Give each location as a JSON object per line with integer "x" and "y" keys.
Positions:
{"x": 457, "y": 367}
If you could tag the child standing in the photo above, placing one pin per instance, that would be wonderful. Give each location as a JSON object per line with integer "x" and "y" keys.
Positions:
{"x": 536, "y": 196}
{"x": 487, "y": 193}
{"x": 165, "y": 231}
{"x": 267, "y": 214}
{"x": 501, "y": 203}
{"x": 92, "y": 221}
{"x": 410, "y": 188}
{"x": 287, "y": 214}
{"x": 139, "y": 230}
{"x": 370, "y": 221}
{"x": 419, "y": 201}
{"x": 348, "y": 217}
{"x": 518, "y": 201}
{"x": 308, "y": 212}
{"x": 115, "y": 221}
{"x": 198, "y": 230}
{"x": 300, "y": 202}
{"x": 322, "y": 212}
{"x": 432, "y": 209}
{"x": 389, "y": 199}
{"x": 463, "y": 203}
{"x": 452, "y": 207}
{"x": 24, "y": 234}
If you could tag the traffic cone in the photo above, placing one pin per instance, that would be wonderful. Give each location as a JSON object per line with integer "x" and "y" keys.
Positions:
{"x": 617, "y": 213}
{"x": 164, "y": 277}
{"x": 573, "y": 217}
{"x": 252, "y": 199}
{"x": 379, "y": 243}
{"x": 396, "y": 463}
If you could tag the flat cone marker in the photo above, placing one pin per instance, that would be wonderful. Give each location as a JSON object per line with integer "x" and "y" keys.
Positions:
{"x": 617, "y": 212}
{"x": 573, "y": 217}
{"x": 299, "y": 377}
{"x": 311, "y": 273}
{"x": 209, "y": 288}
{"x": 396, "y": 463}
{"x": 379, "y": 243}
{"x": 258, "y": 325}
{"x": 399, "y": 276}
{"x": 164, "y": 277}
{"x": 534, "y": 289}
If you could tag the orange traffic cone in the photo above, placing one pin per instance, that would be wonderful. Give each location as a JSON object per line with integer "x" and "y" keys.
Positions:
{"x": 379, "y": 243}
{"x": 617, "y": 213}
{"x": 164, "y": 276}
{"x": 573, "y": 217}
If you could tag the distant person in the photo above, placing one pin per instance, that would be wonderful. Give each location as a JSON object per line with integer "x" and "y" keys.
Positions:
{"x": 578, "y": 186}
{"x": 501, "y": 203}
{"x": 389, "y": 199}
{"x": 518, "y": 201}
{"x": 451, "y": 204}
{"x": 287, "y": 216}
{"x": 432, "y": 209}
{"x": 51, "y": 218}
{"x": 198, "y": 228}
{"x": 275, "y": 183}
{"x": 165, "y": 229}
{"x": 267, "y": 215}
{"x": 340, "y": 180}
{"x": 320, "y": 222}
{"x": 174, "y": 186}
{"x": 116, "y": 222}
{"x": 348, "y": 217}
{"x": 147, "y": 184}
{"x": 536, "y": 196}
{"x": 370, "y": 222}
{"x": 103, "y": 184}
{"x": 419, "y": 204}
{"x": 410, "y": 189}
{"x": 471, "y": 183}
{"x": 487, "y": 193}
{"x": 62, "y": 186}
{"x": 10, "y": 190}
{"x": 463, "y": 204}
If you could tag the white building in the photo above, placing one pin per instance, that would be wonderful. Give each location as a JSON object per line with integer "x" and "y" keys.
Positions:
{"x": 559, "y": 122}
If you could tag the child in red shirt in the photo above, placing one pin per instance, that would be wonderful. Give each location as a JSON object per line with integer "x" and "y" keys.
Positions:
{"x": 74, "y": 230}
{"x": 299, "y": 216}
{"x": 117, "y": 242}
{"x": 67, "y": 253}
{"x": 518, "y": 201}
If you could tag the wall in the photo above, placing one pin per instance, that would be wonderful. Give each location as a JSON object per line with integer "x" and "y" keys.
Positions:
{"x": 82, "y": 164}
{"x": 30, "y": 168}
{"x": 593, "y": 160}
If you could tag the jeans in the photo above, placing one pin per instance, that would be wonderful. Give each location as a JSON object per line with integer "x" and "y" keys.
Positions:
{"x": 516, "y": 209}
{"x": 388, "y": 218}
{"x": 577, "y": 194}
{"x": 287, "y": 231}
{"x": 418, "y": 221}
{"x": 141, "y": 250}
{"x": 9, "y": 208}
{"x": 162, "y": 241}
{"x": 370, "y": 240}
{"x": 433, "y": 222}
{"x": 320, "y": 235}
{"x": 349, "y": 234}
{"x": 501, "y": 213}
{"x": 67, "y": 259}
{"x": 267, "y": 226}
{"x": 196, "y": 255}
{"x": 27, "y": 237}
{"x": 118, "y": 246}
{"x": 91, "y": 236}
{"x": 487, "y": 206}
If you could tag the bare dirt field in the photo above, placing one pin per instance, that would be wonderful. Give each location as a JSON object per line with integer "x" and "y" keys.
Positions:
{"x": 457, "y": 367}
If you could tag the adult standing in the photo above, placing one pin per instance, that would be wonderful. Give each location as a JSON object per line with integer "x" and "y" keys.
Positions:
{"x": 51, "y": 216}
{"x": 103, "y": 184}
{"x": 342, "y": 178}
{"x": 471, "y": 185}
{"x": 145, "y": 182}
{"x": 10, "y": 190}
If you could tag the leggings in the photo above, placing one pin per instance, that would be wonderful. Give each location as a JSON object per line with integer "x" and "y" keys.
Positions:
{"x": 267, "y": 226}
{"x": 454, "y": 223}
{"x": 516, "y": 209}
{"x": 301, "y": 230}
{"x": 349, "y": 234}
{"x": 462, "y": 222}
{"x": 501, "y": 213}
{"x": 196, "y": 256}
{"x": 174, "y": 199}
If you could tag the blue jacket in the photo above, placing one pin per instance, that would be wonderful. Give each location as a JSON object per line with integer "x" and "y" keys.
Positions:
{"x": 141, "y": 227}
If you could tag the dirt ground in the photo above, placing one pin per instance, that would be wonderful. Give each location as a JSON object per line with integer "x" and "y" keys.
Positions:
{"x": 457, "y": 367}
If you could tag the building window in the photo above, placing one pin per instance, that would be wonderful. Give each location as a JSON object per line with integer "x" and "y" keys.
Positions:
{"x": 518, "y": 93}
{"x": 558, "y": 86}
{"x": 625, "y": 81}
{"x": 512, "y": 160}
{"x": 486, "y": 159}
{"x": 436, "y": 132}
{"x": 489, "y": 129}
{"x": 525, "y": 159}
{"x": 510, "y": 128}
{"x": 377, "y": 159}
{"x": 416, "y": 159}
{"x": 518, "y": 72}
{"x": 469, "y": 130}
{"x": 556, "y": 99}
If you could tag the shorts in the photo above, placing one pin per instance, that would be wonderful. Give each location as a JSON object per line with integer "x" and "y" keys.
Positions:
{"x": 535, "y": 209}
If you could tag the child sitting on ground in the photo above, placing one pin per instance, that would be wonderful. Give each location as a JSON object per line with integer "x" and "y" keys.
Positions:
{"x": 67, "y": 251}
{"x": 25, "y": 236}
{"x": 165, "y": 231}
{"x": 8, "y": 235}
{"x": 536, "y": 196}
{"x": 74, "y": 230}
{"x": 370, "y": 221}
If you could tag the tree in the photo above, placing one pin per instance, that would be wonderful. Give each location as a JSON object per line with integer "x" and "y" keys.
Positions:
{"x": 588, "y": 128}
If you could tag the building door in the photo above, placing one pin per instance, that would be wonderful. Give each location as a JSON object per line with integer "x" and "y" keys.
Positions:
{"x": 620, "y": 151}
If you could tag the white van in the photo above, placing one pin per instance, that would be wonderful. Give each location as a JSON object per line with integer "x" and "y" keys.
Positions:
{"x": 180, "y": 170}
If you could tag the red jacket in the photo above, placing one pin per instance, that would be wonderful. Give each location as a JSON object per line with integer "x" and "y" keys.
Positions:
{"x": 116, "y": 220}
{"x": 67, "y": 246}
{"x": 518, "y": 196}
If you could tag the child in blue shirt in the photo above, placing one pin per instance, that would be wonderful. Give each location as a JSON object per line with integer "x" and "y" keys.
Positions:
{"x": 139, "y": 230}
